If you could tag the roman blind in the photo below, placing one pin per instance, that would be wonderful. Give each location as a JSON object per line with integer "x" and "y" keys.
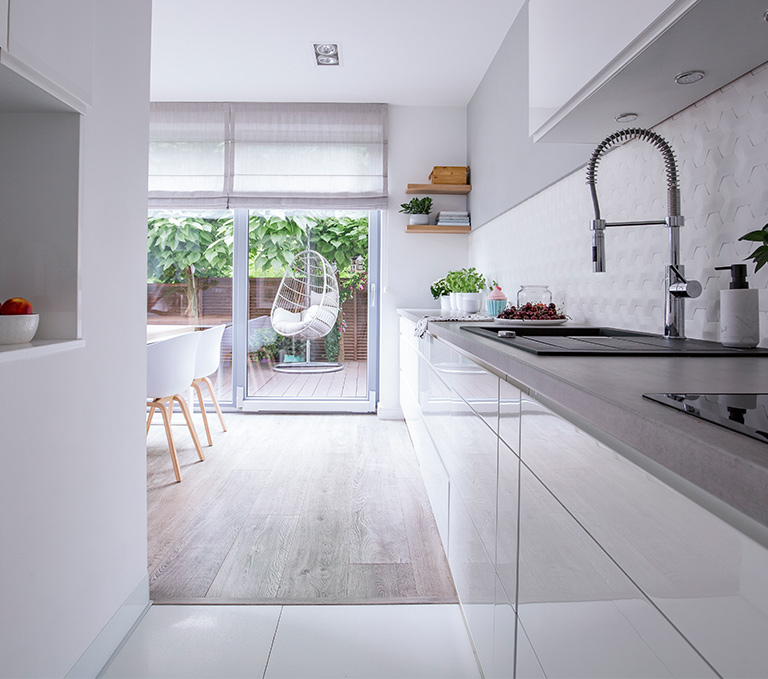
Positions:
{"x": 266, "y": 155}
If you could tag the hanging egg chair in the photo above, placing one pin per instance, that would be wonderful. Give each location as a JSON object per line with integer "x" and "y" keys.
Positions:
{"x": 306, "y": 307}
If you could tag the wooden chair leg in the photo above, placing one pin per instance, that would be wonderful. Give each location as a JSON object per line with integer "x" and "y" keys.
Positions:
{"x": 196, "y": 387}
{"x": 169, "y": 436}
{"x": 190, "y": 424}
{"x": 215, "y": 402}
{"x": 152, "y": 408}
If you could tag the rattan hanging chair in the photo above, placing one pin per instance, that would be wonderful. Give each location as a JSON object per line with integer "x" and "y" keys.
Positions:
{"x": 306, "y": 307}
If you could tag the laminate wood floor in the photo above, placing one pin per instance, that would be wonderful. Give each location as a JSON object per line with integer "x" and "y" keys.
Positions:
{"x": 293, "y": 509}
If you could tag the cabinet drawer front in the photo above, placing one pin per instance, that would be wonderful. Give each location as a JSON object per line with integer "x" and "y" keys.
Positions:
{"x": 471, "y": 462}
{"x": 506, "y": 524}
{"x": 696, "y": 568}
{"x": 582, "y": 614}
{"x": 509, "y": 415}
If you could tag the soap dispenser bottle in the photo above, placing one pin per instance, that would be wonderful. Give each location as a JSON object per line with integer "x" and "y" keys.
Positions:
{"x": 739, "y": 315}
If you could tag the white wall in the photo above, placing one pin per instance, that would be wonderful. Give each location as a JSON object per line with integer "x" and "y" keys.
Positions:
{"x": 419, "y": 139}
{"x": 73, "y": 484}
{"x": 721, "y": 145}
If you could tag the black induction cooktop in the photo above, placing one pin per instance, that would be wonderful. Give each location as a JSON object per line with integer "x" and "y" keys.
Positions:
{"x": 744, "y": 413}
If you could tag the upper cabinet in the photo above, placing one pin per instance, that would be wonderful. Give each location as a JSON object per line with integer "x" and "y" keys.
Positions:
{"x": 594, "y": 61}
{"x": 55, "y": 39}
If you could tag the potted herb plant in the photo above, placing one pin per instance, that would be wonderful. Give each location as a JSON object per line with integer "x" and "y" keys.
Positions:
{"x": 418, "y": 209}
{"x": 469, "y": 284}
{"x": 439, "y": 290}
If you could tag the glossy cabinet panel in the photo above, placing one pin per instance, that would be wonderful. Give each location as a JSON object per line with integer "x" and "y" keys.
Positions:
{"x": 569, "y": 560}
{"x": 473, "y": 573}
{"x": 698, "y": 570}
{"x": 509, "y": 415}
{"x": 471, "y": 463}
{"x": 583, "y": 616}
{"x": 507, "y": 523}
{"x": 475, "y": 385}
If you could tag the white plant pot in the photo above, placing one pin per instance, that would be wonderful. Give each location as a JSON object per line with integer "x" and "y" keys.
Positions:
{"x": 445, "y": 303}
{"x": 454, "y": 300}
{"x": 418, "y": 219}
{"x": 470, "y": 302}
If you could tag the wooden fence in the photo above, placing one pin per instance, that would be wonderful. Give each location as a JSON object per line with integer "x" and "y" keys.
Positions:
{"x": 166, "y": 303}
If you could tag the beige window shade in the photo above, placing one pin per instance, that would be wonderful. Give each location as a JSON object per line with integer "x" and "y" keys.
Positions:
{"x": 264, "y": 155}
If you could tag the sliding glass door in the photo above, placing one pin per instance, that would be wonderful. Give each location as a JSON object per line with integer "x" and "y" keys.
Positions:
{"x": 295, "y": 366}
{"x": 226, "y": 267}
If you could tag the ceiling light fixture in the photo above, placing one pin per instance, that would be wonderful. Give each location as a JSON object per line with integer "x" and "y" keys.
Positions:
{"x": 626, "y": 117}
{"x": 688, "y": 77}
{"x": 326, "y": 53}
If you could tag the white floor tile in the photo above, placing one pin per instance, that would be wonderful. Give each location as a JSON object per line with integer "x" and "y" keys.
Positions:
{"x": 193, "y": 642}
{"x": 367, "y": 642}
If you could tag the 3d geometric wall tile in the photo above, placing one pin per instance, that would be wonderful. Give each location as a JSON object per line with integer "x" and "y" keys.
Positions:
{"x": 721, "y": 146}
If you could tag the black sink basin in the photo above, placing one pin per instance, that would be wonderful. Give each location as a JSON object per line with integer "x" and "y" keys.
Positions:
{"x": 569, "y": 340}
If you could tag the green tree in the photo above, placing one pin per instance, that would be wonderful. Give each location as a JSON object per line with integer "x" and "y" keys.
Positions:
{"x": 186, "y": 248}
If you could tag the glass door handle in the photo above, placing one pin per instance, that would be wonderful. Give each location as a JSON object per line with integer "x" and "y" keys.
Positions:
{"x": 372, "y": 295}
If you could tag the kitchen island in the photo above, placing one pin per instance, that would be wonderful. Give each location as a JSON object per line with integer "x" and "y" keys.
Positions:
{"x": 592, "y": 531}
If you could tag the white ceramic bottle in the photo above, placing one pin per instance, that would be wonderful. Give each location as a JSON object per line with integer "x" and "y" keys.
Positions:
{"x": 739, "y": 311}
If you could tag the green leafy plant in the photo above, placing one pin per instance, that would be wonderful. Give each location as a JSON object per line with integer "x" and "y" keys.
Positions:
{"x": 417, "y": 206}
{"x": 193, "y": 250}
{"x": 465, "y": 280}
{"x": 439, "y": 288}
{"x": 492, "y": 286}
{"x": 760, "y": 254}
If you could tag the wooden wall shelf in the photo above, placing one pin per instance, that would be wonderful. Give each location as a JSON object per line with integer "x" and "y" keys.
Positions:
{"x": 431, "y": 228}
{"x": 440, "y": 189}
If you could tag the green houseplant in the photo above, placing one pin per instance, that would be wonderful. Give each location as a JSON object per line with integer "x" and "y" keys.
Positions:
{"x": 441, "y": 291}
{"x": 760, "y": 254}
{"x": 418, "y": 209}
{"x": 468, "y": 285}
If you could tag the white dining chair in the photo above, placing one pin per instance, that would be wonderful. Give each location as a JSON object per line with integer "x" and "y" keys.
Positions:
{"x": 207, "y": 363}
{"x": 170, "y": 371}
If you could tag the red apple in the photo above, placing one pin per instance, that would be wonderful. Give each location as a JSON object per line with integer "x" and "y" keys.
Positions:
{"x": 15, "y": 306}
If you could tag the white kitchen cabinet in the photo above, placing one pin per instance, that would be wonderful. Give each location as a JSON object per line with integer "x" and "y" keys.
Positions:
{"x": 473, "y": 574}
{"x": 55, "y": 37}
{"x": 509, "y": 415}
{"x": 569, "y": 559}
{"x": 593, "y": 60}
{"x": 583, "y": 615}
{"x": 433, "y": 472}
{"x": 699, "y": 571}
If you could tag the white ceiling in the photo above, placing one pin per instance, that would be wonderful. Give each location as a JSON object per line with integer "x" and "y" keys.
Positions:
{"x": 403, "y": 52}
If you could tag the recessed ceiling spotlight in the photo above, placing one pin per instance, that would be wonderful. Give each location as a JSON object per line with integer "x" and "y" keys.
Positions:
{"x": 688, "y": 77}
{"x": 326, "y": 53}
{"x": 626, "y": 117}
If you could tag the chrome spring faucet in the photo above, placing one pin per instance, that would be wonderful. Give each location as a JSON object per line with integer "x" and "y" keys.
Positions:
{"x": 676, "y": 287}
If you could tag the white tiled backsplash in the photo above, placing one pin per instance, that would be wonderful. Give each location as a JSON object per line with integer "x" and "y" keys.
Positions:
{"x": 721, "y": 146}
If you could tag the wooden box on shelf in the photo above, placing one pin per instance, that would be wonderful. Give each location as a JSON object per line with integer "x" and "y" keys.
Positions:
{"x": 442, "y": 174}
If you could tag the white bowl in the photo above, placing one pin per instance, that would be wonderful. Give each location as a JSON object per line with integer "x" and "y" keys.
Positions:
{"x": 18, "y": 328}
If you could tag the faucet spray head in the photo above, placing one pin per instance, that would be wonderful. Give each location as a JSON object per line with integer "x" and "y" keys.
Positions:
{"x": 598, "y": 245}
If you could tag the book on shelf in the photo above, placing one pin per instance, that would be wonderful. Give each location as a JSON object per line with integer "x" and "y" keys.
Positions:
{"x": 452, "y": 218}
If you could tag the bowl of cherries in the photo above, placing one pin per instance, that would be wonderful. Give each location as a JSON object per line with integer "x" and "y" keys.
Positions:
{"x": 533, "y": 312}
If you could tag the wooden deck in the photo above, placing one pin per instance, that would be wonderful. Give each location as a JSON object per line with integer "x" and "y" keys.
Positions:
{"x": 263, "y": 382}
{"x": 349, "y": 382}
{"x": 293, "y": 509}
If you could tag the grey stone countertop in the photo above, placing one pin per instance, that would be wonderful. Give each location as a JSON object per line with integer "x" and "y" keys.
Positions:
{"x": 604, "y": 396}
